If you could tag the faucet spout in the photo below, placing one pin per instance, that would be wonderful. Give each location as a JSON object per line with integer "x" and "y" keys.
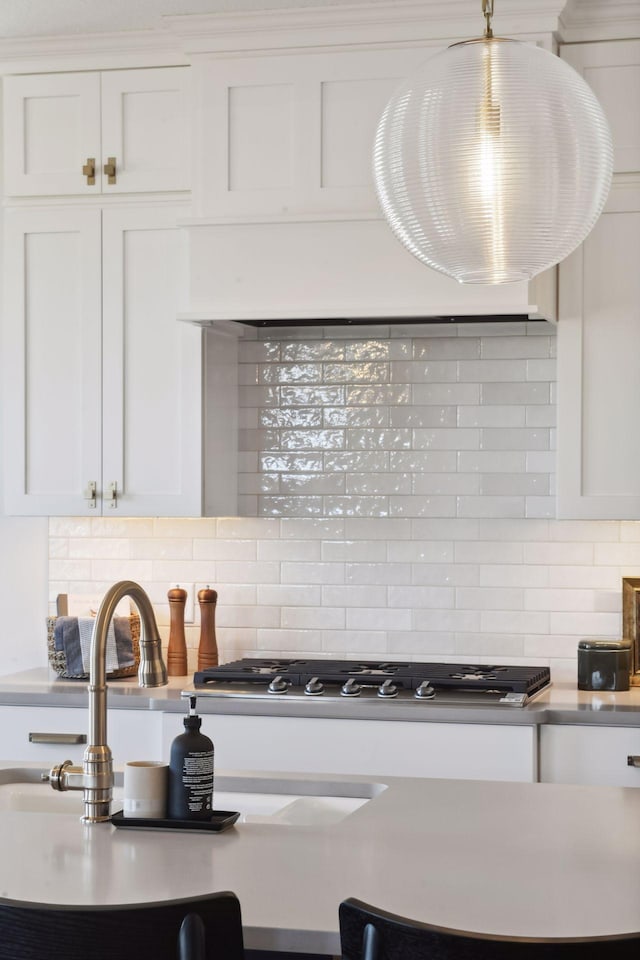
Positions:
{"x": 96, "y": 778}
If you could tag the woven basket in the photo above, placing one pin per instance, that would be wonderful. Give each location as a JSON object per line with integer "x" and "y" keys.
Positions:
{"x": 58, "y": 659}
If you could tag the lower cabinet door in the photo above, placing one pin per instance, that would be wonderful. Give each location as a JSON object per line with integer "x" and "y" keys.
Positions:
{"x": 592, "y": 755}
{"x": 368, "y": 747}
{"x": 54, "y": 734}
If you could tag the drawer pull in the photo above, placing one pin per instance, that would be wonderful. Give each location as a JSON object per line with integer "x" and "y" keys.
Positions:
{"x": 633, "y": 761}
{"x": 57, "y": 738}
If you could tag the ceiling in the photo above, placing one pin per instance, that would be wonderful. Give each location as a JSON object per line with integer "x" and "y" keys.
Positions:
{"x": 44, "y": 18}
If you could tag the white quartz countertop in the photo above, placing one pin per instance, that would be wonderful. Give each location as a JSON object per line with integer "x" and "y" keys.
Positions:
{"x": 562, "y": 702}
{"x": 536, "y": 860}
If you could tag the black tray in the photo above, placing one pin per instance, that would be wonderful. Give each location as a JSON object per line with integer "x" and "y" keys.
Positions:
{"x": 220, "y": 820}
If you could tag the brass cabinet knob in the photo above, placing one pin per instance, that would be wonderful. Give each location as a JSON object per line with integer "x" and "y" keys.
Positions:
{"x": 109, "y": 170}
{"x": 89, "y": 171}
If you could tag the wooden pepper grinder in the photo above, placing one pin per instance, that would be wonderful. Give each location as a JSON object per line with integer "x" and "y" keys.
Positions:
{"x": 208, "y": 648}
{"x": 177, "y": 650}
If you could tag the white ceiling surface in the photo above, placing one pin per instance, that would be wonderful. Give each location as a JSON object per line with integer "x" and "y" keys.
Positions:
{"x": 46, "y": 18}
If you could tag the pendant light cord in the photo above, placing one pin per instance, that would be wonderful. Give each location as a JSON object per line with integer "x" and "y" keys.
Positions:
{"x": 487, "y": 11}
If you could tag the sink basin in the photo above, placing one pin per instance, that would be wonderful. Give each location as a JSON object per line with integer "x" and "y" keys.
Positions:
{"x": 260, "y": 800}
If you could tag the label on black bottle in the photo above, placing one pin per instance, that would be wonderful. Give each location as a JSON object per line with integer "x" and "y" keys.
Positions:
{"x": 197, "y": 778}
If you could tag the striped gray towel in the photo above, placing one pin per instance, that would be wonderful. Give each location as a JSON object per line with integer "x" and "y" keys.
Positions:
{"x": 73, "y": 635}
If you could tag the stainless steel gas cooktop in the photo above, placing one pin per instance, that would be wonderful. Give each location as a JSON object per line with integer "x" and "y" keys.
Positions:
{"x": 380, "y": 681}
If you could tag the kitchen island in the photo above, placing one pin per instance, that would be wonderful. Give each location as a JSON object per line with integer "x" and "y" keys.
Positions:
{"x": 536, "y": 860}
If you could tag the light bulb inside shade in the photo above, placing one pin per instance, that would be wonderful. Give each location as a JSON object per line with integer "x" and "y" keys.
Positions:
{"x": 494, "y": 162}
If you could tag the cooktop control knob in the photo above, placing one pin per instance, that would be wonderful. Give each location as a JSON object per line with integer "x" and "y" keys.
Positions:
{"x": 278, "y": 685}
{"x": 388, "y": 689}
{"x": 425, "y": 691}
{"x": 314, "y": 687}
{"x": 351, "y": 688}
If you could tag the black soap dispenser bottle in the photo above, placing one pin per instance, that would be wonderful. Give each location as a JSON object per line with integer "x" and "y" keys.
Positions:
{"x": 190, "y": 794}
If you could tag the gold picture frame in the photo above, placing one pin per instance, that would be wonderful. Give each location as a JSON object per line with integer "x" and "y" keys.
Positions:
{"x": 631, "y": 623}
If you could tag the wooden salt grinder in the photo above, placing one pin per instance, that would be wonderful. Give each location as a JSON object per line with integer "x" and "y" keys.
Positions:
{"x": 177, "y": 650}
{"x": 208, "y": 648}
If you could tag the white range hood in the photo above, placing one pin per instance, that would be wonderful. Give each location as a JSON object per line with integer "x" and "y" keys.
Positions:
{"x": 286, "y": 225}
{"x": 338, "y": 269}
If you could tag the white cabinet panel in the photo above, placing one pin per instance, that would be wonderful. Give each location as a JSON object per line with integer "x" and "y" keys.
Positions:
{"x": 131, "y": 734}
{"x": 368, "y": 747}
{"x": 152, "y": 367}
{"x": 102, "y": 385}
{"x": 52, "y": 128}
{"x": 284, "y": 135}
{"x": 598, "y": 457}
{"x": 588, "y": 754}
{"x": 56, "y": 123}
{"x": 51, "y": 359}
{"x": 145, "y": 127}
{"x": 598, "y": 387}
{"x": 612, "y": 70}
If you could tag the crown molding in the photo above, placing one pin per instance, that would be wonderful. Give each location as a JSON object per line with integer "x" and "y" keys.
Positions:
{"x": 93, "y": 51}
{"x": 410, "y": 22}
{"x": 407, "y": 21}
{"x": 588, "y": 20}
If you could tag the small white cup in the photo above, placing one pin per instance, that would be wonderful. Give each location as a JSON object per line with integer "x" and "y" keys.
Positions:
{"x": 145, "y": 789}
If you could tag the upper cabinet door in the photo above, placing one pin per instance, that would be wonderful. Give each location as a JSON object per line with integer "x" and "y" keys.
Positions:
{"x": 122, "y": 131}
{"x": 152, "y": 368}
{"x": 612, "y": 70}
{"x": 51, "y": 361}
{"x": 599, "y": 314}
{"x": 52, "y": 131}
{"x": 289, "y": 135}
{"x": 145, "y": 129}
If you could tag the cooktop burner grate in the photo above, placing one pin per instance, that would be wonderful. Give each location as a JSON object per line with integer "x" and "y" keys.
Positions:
{"x": 405, "y": 675}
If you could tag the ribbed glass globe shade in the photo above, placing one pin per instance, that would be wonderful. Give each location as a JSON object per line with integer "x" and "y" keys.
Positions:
{"x": 493, "y": 162}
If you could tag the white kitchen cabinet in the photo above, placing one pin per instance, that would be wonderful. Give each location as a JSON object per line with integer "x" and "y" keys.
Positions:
{"x": 58, "y": 124}
{"x": 131, "y": 734}
{"x": 102, "y": 385}
{"x": 598, "y": 459}
{"x": 612, "y": 70}
{"x": 314, "y": 118}
{"x": 460, "y": 751}
{"x": 589, "y": 754}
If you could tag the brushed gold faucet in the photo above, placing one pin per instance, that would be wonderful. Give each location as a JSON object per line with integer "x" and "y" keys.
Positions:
{"x": 95, "y": 776}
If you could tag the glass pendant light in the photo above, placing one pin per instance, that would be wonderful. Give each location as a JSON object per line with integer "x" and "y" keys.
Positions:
{"x": 494, "y": 161}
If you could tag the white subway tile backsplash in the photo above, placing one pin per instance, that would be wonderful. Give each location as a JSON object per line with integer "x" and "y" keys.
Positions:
{"x": 420, "y": 551}
{"x": 382, "y": 574}
{"x": 400, "y": 482}
{"x": 489, "y": 598}
{"x": 383, "y": 618}
{"x": 514, "y": 484}
{"x": 440, "y": 484}
{"x": 558, "y": 553}
{"x": 493, "y": 416}
{"x": 514, "y": 348}
{"x": 492, "y": 371}
{"x": 489, "y": 506}
{"x": 446, "y": 393}
{"x": 312, "y": 572}
{"x": 446, "y": 348}
{"x": 432, "y": 506}
{"x": 519, "y": 393}
{"x": 514, "y": 621}
{"x": 373, "y": 551}
{"x": 313, "y": 618}
{"x": 494, "y": 438}
{"x": 591, "y": 624}
{"x": 445, "y": 574}
{"x": 293, "y": 595}
{"x": 424, "y": 371}
{"x": 492, "y": 461}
